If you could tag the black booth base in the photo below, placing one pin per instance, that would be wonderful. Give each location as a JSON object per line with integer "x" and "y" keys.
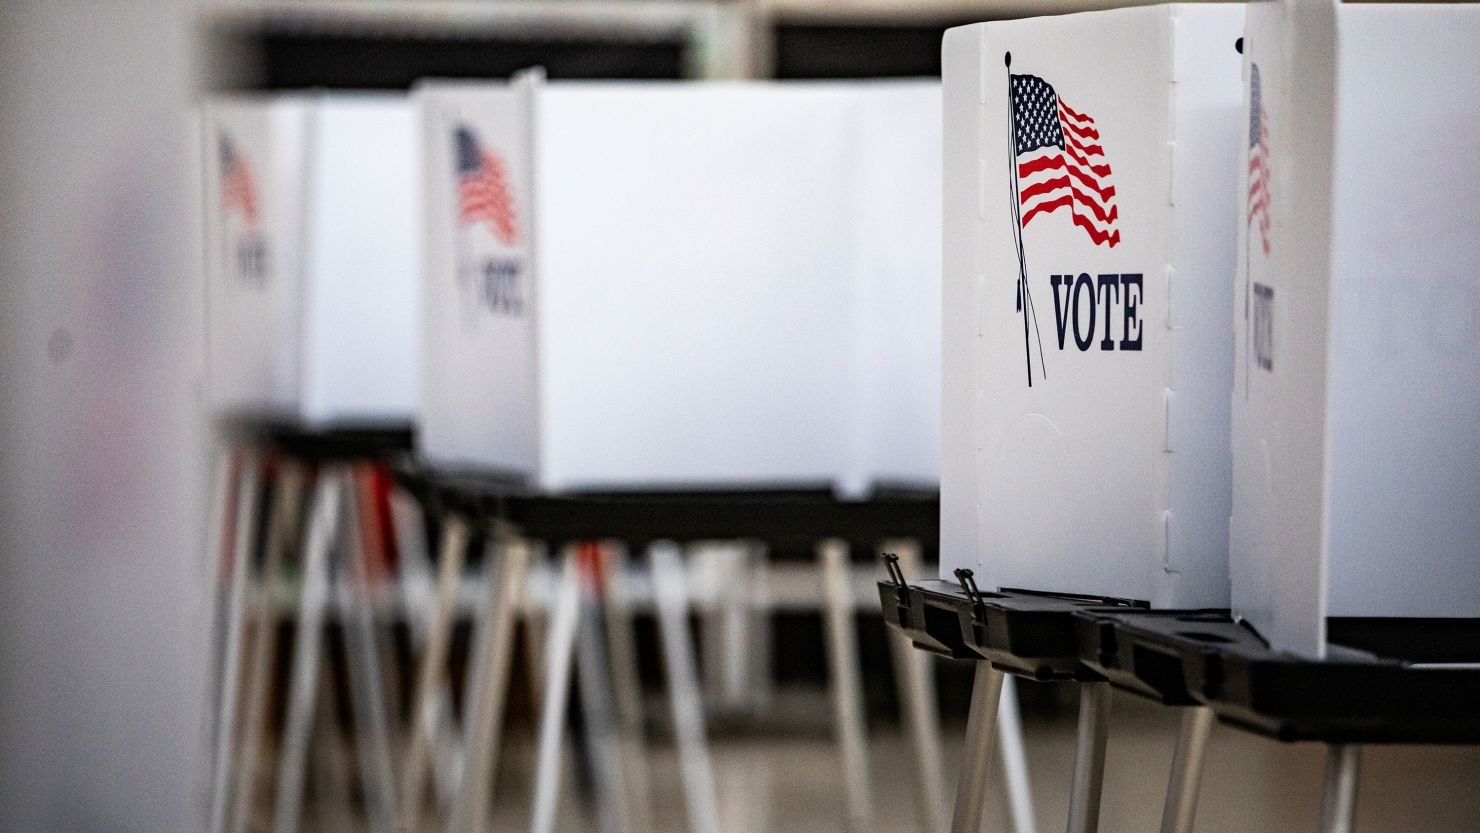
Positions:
{"x": 1024, "y": 633}
{"x": 799, "y": 515}
{"x": 1383, "y": 681}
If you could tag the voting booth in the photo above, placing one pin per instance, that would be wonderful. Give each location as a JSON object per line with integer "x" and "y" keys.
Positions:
{"x": 311, "y": 257}
{"x": 647, "y": 285}
{"x": 1090, "y": 172}
{"x": 1356, "y": 407}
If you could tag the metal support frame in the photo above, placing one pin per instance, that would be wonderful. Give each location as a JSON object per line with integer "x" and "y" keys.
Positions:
{"x": 363, "y": 656}
{"x": 559, "y": 647}
{"x": 671, "y": 598}
{"x": 1339, "y": 802}
{"x": 433, "y": 669}
{"x": 976, "y": 754}
{"x": 287, "y": 500}
{"x": 1089, "y": 757}
{"x": 1187, "y": 761}
{"x": 493, "y": 651}
{"x": 844, "y": 681}
{"x": 244, "y": 528}
{"x": 621, "y": 646}
{"x": 320, "y": 538}
{"x": 916, "y": 684}
{"x": 1015, "y": 759}
{"x": 598, "y": 713}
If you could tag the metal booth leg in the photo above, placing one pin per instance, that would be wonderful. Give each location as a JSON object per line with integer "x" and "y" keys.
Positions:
{"x": 362, "y": 658}
{"x": 1187, "y": 762}
{"x": 912, "y": 675}
{"x": 244, "y": 527}
{"x": 1339, "y": 804}
{"x": 559, "y": 646}
{"x": 621, "y": 646}
{"x": 976, "y": 756}
{"x": 323, "y": 532}
{"x": 671, "y": 597}
{"x": 1089, "y": 758}
{"x": 1015, "y": 759}
{"x": 429, "y": 679}
{"x": 508, "y": 560}
{"x": 259, "y": 674}
{"x": 844, "y": 679}
{"x": 603, "y": 735}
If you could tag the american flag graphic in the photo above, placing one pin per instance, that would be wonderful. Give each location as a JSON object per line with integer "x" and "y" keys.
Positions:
{"x": 1258, "y": 159}
{"x": 483, "y": 192}
{"x": 238, "y": 186}
{"x": 1060, "y": 163}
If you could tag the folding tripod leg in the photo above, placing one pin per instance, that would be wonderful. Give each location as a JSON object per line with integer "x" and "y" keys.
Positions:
{"x": 976, "y": 756}
{"x": 683, "y": 688}
{"x": 323, "y": 531}
{"x": 1187, "y": 761}
{"x": 1089, "y": 758}
{"x": 559, "y": 646}
{"x": 913, "y": 678}
{"x": 1339, "y": 804}
{"x": 244, "y": 532}
{"x": 844, "y": 679}
{"x": 494, "y": 647}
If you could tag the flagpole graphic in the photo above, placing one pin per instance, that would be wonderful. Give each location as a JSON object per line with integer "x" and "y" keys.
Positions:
{"x": 1024, "y": 295}
{"x": 1057, "y": 161}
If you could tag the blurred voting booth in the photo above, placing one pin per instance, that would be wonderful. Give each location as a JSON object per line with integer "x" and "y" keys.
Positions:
{"x": 1091, "y": 162}
{"x": 718, "y": 298}
{"x": 1356, "y": 399}
{"x": 312, "y": 271}
{"x": 678, "y": 285}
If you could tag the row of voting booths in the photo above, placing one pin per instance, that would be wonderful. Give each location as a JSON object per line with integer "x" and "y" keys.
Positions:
{"x": 1177, "y": 304}
{"x": 521, "y": 354}
{"x": 1211, "y": 378}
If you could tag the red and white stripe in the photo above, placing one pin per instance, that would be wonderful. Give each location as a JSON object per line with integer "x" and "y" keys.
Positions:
{"x": 1077, "y": 177}
{"x": 239, "y": 192}
{"x": 1259, "y": 181}
{"x": 484, "y": 196}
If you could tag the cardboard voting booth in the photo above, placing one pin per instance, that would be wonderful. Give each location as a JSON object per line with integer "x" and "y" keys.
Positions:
{"x": 649, "y": 285}
{"x": 1090, "y": 170}
{"x": 311, "y": 257}
{"x": 1357, "y": 389}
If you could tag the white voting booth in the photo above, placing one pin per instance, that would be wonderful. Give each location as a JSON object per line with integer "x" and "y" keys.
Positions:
{"x": 1356, "y": 407}
{"x": 1090, "y": 170}
{"x": 311, "y": 257}
{"x": 676, "y": 285}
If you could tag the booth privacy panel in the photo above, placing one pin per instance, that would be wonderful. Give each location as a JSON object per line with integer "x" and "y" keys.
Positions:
{"x": 690, "y": 288}
{"x": 1356, "y": 435}
{"x": 311, "y": 253}
{"x": 1086, "y": 293}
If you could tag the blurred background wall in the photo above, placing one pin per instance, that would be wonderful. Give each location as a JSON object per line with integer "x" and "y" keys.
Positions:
{"x": 102, "y": 637}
